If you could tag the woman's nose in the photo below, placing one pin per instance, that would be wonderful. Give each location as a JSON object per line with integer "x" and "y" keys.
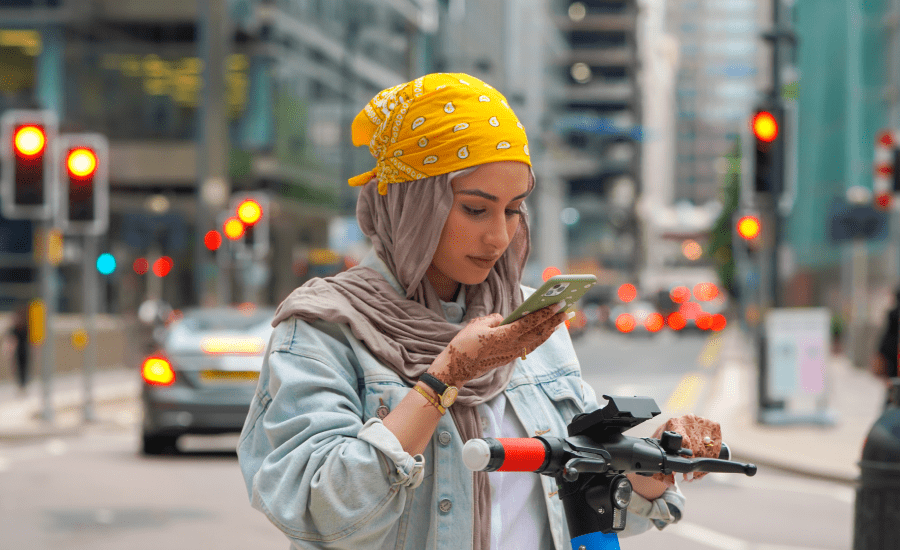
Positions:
{"x": 497, "y": 235}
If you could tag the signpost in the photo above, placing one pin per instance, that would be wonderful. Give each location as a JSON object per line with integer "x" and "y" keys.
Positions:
{"x": 797, "y": 351}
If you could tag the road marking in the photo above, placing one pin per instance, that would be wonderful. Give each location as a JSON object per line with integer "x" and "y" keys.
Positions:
{"x": 721, "y": 541}
{"x": 711, "y": 351}
{"x": 685, "y": 396}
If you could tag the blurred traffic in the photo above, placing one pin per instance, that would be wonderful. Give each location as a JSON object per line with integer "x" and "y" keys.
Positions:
{"x": 203, "y": 374}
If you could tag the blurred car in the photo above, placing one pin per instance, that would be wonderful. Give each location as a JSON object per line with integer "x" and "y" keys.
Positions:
{"x": 203, "y": 376}
{"x": 699, "y": 310}
{"x": 636, "y": 317}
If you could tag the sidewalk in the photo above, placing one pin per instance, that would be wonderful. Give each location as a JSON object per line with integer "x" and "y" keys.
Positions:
{"x": 21, "y": 415}
{"x": 855, "y": 398}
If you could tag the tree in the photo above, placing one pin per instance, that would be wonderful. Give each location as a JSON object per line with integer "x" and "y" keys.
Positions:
{"x": 720, "y": 240}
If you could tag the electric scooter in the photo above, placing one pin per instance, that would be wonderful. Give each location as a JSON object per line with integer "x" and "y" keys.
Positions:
{"x": 590, "y": 465}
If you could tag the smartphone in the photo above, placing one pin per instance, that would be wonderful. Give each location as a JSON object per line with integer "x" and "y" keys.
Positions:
{"x": 568, "y": 288}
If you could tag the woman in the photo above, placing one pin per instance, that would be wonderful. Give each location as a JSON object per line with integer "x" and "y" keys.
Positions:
{"x": 348, "y": 443}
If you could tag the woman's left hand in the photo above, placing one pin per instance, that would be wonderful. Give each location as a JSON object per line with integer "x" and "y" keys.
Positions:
{"x": 701, "y": 435}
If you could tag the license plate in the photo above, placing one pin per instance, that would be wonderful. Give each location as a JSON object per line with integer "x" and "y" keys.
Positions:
{"x": 229, "y": 375}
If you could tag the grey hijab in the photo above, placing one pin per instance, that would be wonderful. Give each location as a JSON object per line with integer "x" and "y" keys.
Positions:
{"x": 408, "y": 332}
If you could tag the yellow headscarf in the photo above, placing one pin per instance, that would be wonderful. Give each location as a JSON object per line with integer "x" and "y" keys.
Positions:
{"x": 436, "y": 124}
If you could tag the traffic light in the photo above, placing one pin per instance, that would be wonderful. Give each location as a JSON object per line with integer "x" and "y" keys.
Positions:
{"x": 212, "y": 240}
{"x": 749, "y": 229}
{"x": 233, "y": 228}
{"x": 27, "y": 156}
{"x": 106, "y": 263}
{"x": 768, "y": 134}
{"x": 252, "y": 212}
{"x": 84, "y": 171}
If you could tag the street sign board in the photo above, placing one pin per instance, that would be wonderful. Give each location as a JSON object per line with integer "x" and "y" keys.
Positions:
{"x": 797, "y": 353}
{"x": 857, "y": 221}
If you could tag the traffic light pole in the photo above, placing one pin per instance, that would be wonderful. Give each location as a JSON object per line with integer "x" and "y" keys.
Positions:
{"x": 90, "y": 312}
{"x": 48, "y": 291}
{"x": 778, "y": 188}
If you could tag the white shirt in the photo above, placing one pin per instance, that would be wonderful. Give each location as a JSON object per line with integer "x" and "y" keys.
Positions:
{"x": 519, "y": 517}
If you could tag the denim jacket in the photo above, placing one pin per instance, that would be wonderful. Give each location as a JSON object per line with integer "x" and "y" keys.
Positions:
{"x": 319, "y": 463}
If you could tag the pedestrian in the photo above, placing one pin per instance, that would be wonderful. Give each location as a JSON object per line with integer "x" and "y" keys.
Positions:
{"x": 18, "y": 333}
{"x": 354, "y": 438}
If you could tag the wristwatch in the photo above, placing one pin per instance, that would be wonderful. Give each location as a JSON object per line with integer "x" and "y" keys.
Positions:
{"x": 447, "y": 394}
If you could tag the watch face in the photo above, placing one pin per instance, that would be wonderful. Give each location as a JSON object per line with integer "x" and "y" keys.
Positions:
{"x": 449, "y": 396}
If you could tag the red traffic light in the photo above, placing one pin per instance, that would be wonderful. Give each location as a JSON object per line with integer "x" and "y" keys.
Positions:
{"x": 141, "y": 266}
{"x": 162, "y": 266}
{"x": 29, "y": 140}
{"x": 748, "y": 227}
{"x": 81, "y": 163}
{"x": 249, "y": 211}
{"x": 212, "y": 240}
{"x": 765, "y": 126}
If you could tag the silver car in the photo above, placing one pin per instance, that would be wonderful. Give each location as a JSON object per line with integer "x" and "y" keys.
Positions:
{"x": 202, "y": 378}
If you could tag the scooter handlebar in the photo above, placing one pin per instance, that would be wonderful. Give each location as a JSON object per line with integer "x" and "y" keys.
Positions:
{"x": 548, "y": 456}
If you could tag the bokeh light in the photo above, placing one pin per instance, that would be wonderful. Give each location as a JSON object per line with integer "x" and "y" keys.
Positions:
{"x": 627, "y": 292}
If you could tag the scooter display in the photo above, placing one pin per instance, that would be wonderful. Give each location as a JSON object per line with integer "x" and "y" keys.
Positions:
{"x": 590, "y": 465}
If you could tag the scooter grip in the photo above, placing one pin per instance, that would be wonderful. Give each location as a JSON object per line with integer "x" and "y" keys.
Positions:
{"x": 505, "y": 454}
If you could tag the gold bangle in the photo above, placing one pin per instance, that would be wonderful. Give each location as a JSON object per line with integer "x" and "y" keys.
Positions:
{"x": 430, "y": 399}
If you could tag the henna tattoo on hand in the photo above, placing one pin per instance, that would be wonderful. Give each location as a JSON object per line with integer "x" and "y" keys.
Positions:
{"x": 479, "y": 348}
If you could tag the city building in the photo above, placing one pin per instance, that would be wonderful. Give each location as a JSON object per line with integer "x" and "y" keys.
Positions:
{"x": 203, "y": 100}
{"x": 597, "y": 111}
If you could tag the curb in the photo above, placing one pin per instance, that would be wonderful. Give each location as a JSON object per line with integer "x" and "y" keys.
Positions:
{"x": 22, "y": 422}
{"x": 724, "y": 407}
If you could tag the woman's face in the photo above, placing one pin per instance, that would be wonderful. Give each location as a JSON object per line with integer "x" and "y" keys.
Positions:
{"x": 480, "y": 226}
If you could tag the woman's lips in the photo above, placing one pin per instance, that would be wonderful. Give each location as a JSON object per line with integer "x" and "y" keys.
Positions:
{"x": 482, "y": 262}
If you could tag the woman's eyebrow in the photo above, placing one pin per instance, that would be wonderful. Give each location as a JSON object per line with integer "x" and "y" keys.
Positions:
{"x": 488, "y": 196}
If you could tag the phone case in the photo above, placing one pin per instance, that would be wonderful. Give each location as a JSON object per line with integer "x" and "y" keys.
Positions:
{"x": 556, "y": 289}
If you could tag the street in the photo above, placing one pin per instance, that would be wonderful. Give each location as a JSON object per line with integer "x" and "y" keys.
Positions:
{"x": 94, "y": 491}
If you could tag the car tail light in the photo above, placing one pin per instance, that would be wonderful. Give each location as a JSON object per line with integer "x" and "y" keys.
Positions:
{"x": 705, "y": 291}
{"x": 157, "y": 372}
{"x": 704, "y": 321}
{"x": 718, "y": 322}
{"x": 625, "y": 322}
{"x": 680, "y": 294}
{"x": 676, "y": 321}
{"x": 654, "y": 322}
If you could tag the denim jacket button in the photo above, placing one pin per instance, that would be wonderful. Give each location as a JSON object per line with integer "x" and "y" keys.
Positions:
{"x": 445, "y": 505}
{"x": 445, "y": 438}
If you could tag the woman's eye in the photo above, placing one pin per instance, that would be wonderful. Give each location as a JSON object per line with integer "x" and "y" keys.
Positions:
{"x": 479, "y": 211}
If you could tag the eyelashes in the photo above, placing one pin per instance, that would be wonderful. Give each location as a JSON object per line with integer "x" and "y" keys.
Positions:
{"x": 477, "y": 212}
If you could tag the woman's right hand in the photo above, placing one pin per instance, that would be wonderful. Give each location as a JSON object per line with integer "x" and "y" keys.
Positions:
{"x": 484, "y": 345}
